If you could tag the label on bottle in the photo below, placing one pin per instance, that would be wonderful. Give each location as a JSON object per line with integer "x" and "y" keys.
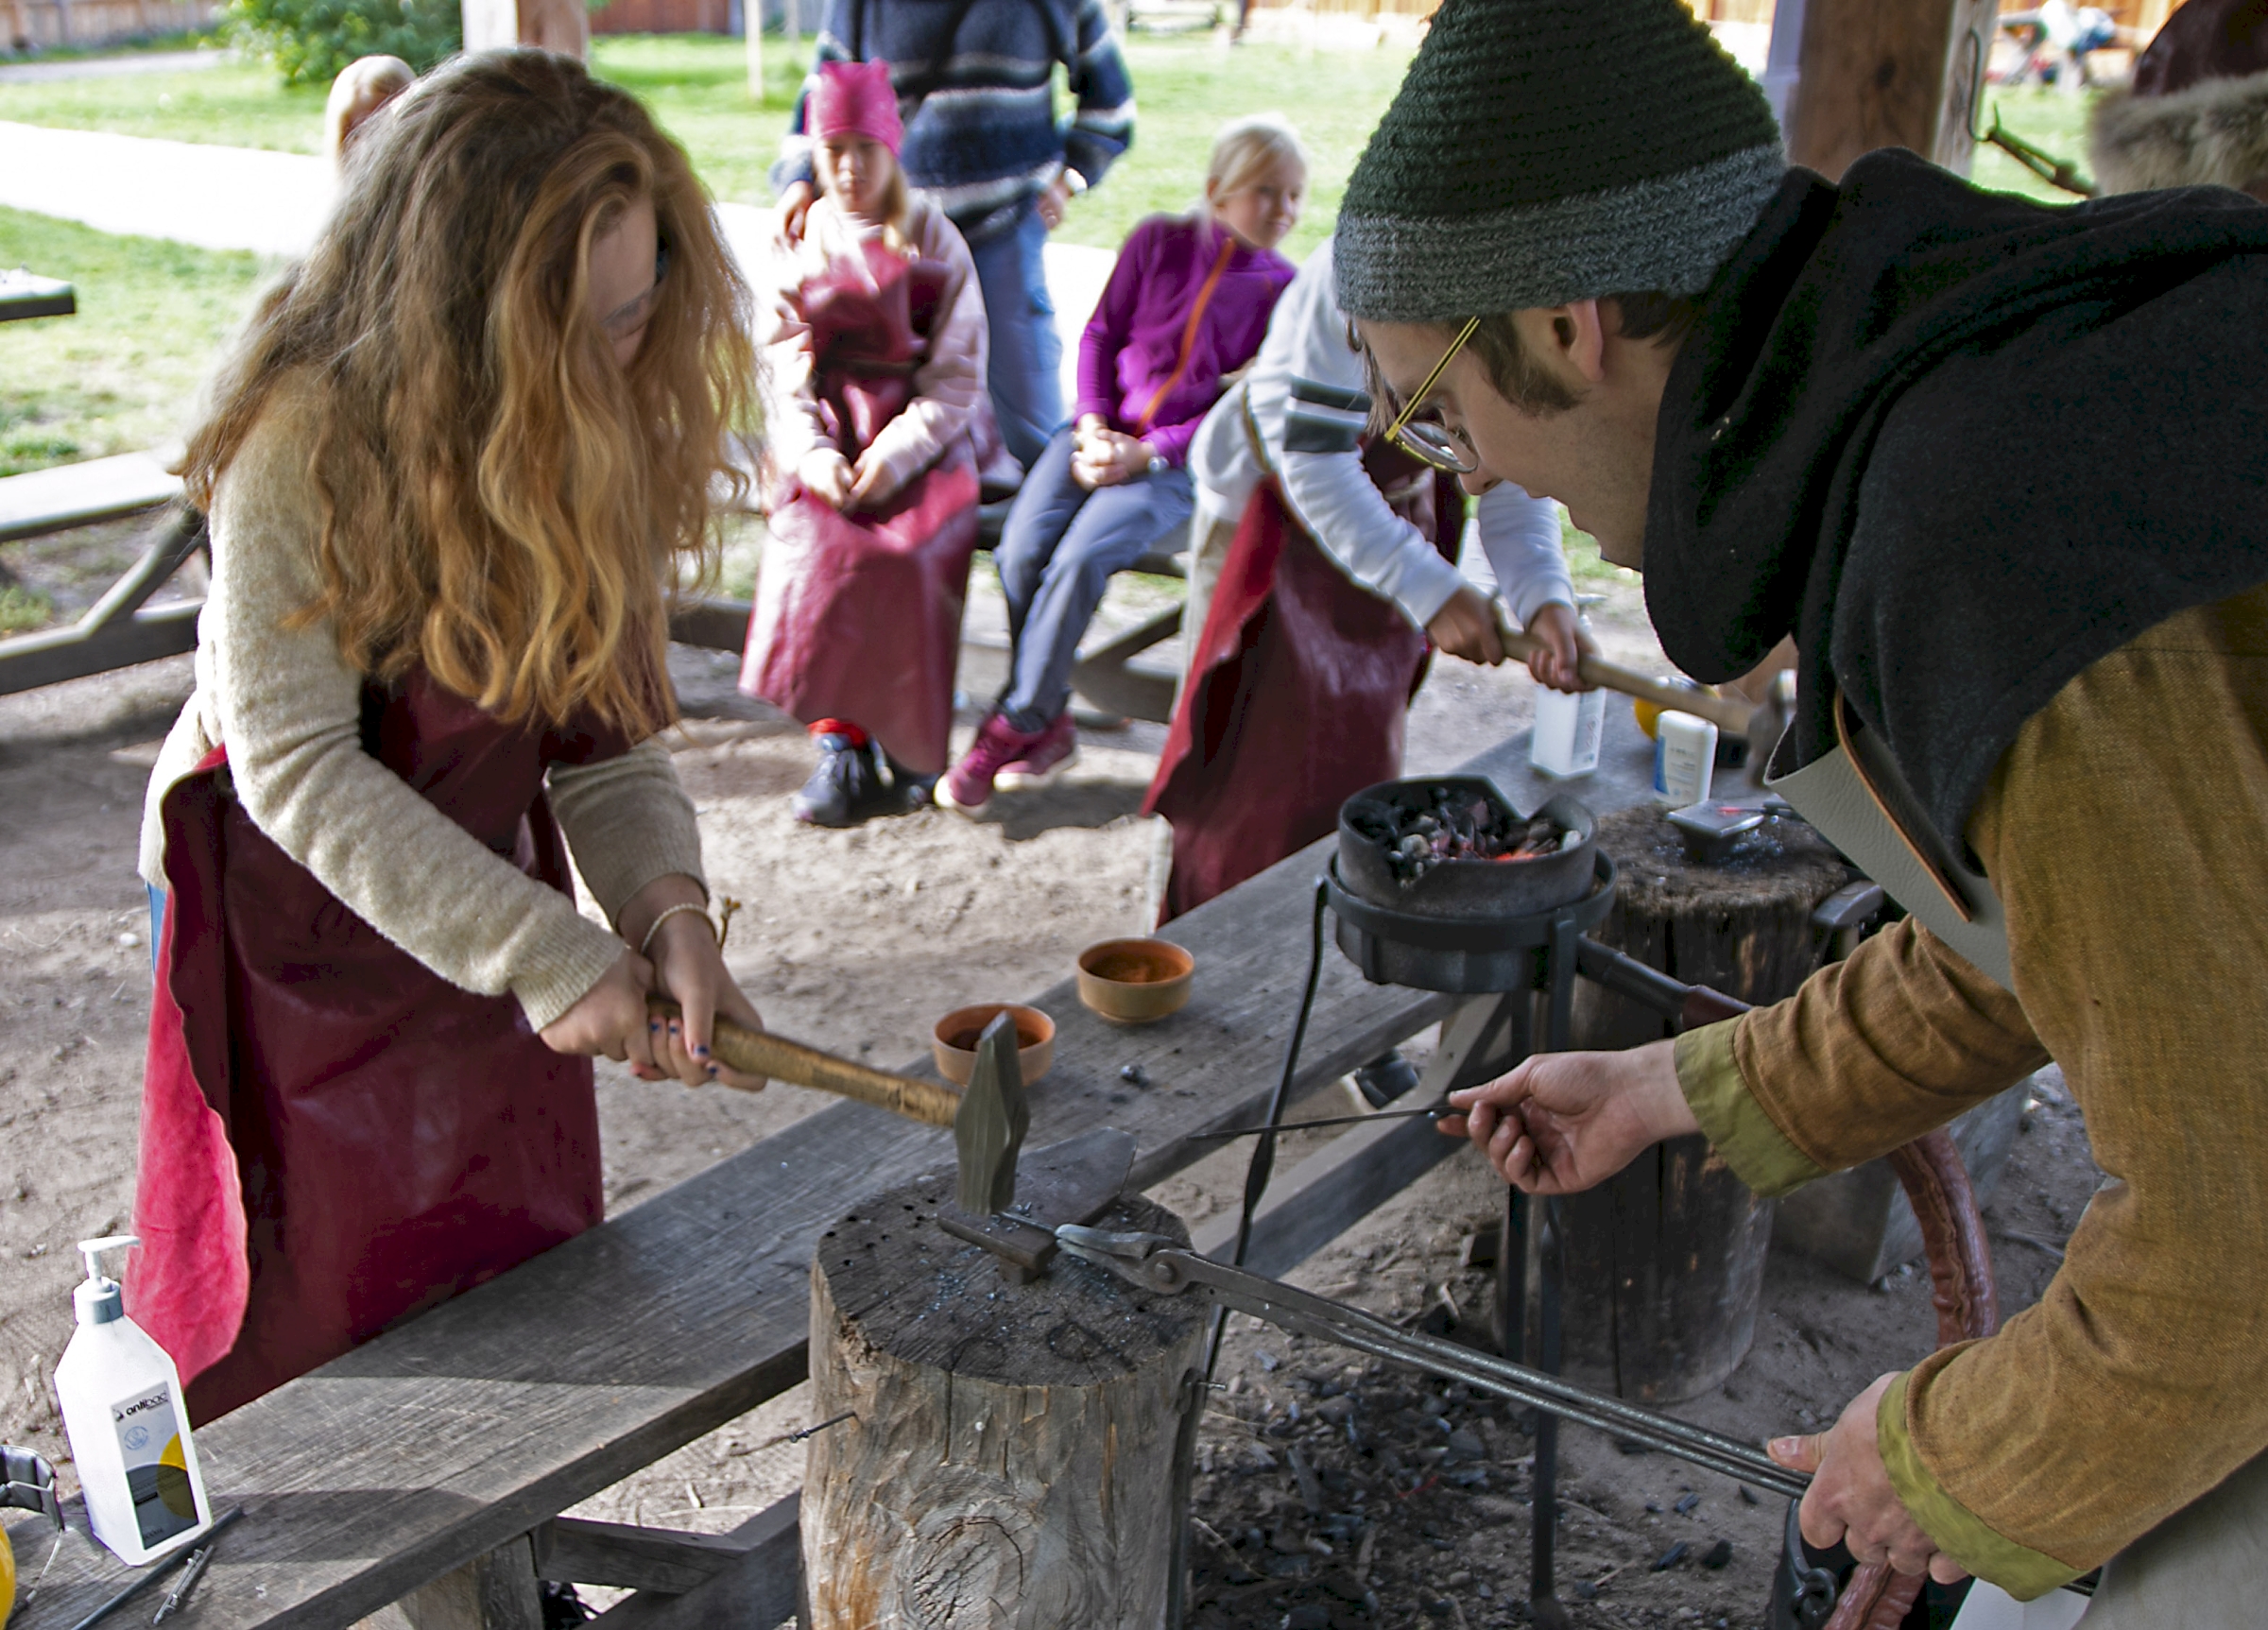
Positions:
{"x": 157, "y": 1469}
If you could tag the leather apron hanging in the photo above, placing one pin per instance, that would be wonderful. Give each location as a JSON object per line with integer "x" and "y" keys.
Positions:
{"x": 858, "y": 616}
{"x": 335, "y": 1138}
{"x": 1298, "y": 694}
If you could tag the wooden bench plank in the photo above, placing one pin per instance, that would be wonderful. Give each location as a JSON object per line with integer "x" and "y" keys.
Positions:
{"x": 758, "y": 1590}
{"x": 119, "y": 629}
{"x": 81, "y": 494}
{"x": 575, "y": 1551}
{"x": 471, "y": 1425}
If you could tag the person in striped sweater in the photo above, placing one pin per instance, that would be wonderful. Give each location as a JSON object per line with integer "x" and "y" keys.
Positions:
{"x": 982, "y": 142}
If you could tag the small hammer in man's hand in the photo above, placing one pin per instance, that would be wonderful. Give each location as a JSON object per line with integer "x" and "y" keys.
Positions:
{"x": 1759, "y": 723}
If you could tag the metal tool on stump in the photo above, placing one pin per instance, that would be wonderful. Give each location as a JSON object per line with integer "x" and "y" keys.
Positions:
{"x": 988, "y": 1129}
{"x": 988, "y": 1119}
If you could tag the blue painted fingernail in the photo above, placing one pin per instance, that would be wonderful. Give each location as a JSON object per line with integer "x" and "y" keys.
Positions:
{"x": 653, "y": 1024}
{"x": 711, "y": 1068}
{"x": 700, "y": 1052}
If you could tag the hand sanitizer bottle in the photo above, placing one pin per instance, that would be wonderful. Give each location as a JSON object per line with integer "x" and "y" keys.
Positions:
{"x": 121, "y": 1399}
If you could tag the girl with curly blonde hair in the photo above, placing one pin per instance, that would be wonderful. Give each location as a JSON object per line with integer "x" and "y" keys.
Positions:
{"x": 458, "y": 456}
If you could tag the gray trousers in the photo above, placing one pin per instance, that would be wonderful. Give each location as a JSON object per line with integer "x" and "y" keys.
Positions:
{"x": 2205, "y": 1568}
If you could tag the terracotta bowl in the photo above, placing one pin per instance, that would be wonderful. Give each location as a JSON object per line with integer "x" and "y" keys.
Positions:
{"x": 954, "y": 1043}
{"x": 1134, "y": 981}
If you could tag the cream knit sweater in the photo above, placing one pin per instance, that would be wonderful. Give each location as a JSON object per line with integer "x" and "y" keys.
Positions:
{"x": 289, "y": 712}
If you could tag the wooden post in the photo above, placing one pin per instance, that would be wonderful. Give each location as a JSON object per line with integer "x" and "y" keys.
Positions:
{"x": 562, "y": 26}
{"x": 490, "y": 25}
{"x": 1012, "y": 1456}
{"x": 1665, "y": 1262}
{"x": 1907, "y": 75}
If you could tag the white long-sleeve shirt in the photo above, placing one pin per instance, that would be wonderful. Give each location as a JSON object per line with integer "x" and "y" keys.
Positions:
{"x": 1304, "y": 363}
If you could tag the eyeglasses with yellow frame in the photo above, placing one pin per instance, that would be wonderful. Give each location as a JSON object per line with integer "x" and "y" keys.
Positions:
{"x": 1435, "y": 445}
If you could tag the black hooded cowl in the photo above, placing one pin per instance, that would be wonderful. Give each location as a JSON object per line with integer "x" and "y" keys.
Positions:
{"x": 1961, "y": 446}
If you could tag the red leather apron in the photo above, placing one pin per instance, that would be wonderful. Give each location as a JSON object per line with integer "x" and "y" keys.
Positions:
{"x": 866, "y": 608}
{"x": 1298, "y": 694}
{"x": 334, "y": 1137}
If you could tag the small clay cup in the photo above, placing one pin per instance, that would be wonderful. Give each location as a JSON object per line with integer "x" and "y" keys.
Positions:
{"x": 1134, "y": 981}
{"x": 954, "y": 1042}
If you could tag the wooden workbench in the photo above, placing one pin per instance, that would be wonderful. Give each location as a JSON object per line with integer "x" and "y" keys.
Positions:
{"x": 453, "y": 1437}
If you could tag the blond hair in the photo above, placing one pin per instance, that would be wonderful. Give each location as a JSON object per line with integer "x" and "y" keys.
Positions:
{"x": 500, "y": 501}
{"x": 1246, "y": 150}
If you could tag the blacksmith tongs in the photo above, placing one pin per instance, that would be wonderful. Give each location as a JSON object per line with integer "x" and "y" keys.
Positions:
{"x": 1159, "y": 1264}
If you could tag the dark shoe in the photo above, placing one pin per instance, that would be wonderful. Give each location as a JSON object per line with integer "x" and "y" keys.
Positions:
{"x": 563, "y": 1608}
{"x": 845, "y": 789}
{"x": 910, "y": 789}
{"x": 1386, "y": 1078}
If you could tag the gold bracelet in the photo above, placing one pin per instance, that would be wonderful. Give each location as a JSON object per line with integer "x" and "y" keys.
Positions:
{"x": 646, "y": 946}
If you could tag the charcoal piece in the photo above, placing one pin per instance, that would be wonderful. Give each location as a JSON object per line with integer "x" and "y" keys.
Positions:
{"x": 1717, "y": 1555}
{"x": 1670, "y": 1557}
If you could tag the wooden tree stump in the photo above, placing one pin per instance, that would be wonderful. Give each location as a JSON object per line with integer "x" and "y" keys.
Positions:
{"x": 1014, "y": 1459}
{"x": 1666, "y": 1262}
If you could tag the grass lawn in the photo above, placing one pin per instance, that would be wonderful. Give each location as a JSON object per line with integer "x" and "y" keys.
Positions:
{"x": 2048, "y": 120}
{"x": 698, "y": 85}
{"x": 122, "y": 373}
{"x": 236, "y": 104}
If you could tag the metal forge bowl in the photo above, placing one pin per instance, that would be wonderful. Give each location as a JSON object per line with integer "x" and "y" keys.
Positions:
{"x": 1467, "y": 927}
{"x": 1464, "y": 888}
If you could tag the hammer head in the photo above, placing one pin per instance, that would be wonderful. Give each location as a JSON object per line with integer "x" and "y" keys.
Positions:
{"x": 988, "y": 1129}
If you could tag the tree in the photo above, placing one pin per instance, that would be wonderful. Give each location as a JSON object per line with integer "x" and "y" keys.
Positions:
{"x": 312, "y": 40}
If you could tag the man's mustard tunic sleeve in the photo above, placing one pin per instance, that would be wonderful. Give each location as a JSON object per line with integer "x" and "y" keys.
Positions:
{"x": 2126, "y": 834}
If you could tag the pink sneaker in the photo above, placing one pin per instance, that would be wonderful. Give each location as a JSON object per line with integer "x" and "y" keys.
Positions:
{"x": 1058, "y": 750}
{"x": 968, "y": 786}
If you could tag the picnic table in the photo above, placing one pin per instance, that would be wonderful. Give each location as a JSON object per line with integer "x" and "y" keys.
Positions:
{"x": 25, "y": 294}
{"x": 122, "y": 628}
{"x": 428, "y": 1466}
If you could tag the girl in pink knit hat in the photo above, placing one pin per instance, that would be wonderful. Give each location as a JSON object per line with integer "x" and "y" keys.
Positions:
{"x": 877, "y": 423}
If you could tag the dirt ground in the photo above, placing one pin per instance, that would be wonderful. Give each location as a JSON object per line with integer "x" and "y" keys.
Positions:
{"x": 854, "y": 940}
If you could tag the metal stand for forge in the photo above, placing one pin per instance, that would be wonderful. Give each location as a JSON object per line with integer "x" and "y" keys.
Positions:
{"x": 1502, "y": 963}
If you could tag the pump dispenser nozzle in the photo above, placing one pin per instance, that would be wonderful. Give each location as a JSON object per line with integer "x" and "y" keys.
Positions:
{"x": 98, "y": 1300}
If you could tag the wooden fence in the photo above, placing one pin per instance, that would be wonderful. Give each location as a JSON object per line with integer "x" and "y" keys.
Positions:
{"x": 46, "y": 23}
{"x": 676, "y": 17}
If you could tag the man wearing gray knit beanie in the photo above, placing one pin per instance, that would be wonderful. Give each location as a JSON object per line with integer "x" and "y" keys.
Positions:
{"x": 2032, "y": 704}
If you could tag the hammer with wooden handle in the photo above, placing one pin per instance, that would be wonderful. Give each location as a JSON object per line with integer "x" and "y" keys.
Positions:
{"x": 1726, "y": 713}
{"x": 760, "y": 1053}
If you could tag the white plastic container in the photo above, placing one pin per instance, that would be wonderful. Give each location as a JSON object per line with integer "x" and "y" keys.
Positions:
{"x": 1566, "y": 743}
{"x": 121, "y": 1398}
{"x": 1685, "y": 759}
